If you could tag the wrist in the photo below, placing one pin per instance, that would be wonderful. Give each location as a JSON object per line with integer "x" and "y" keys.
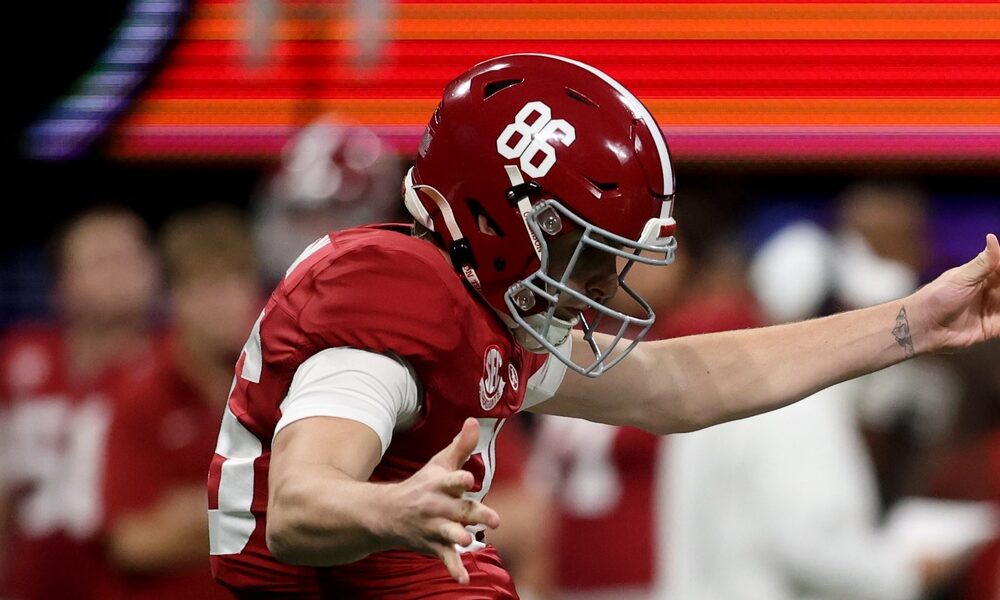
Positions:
{"x": 902, "y": 329}
{"x": 923, "y": 335}
{"x": 382, "y": 517}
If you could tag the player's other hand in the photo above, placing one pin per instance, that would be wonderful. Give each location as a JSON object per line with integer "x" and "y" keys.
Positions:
{"x": 431, "y": 513}
{"x": 962, "y": 306}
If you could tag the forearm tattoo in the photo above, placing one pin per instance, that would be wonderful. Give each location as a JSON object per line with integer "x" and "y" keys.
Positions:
{"x": 902, "y": 333}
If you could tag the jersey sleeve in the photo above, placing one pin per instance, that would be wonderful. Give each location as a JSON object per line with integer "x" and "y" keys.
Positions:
{"x": 373, "y": 389}
{"x": 383, "y": 298}
{"x": 545, "y": 382}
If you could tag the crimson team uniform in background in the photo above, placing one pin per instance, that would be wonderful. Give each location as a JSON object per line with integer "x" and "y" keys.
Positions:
{"x": 53, "y": 445}
{"x": 972, "y": 472}
{"x": 161, "y": 438}
{"x": 605, "y": 506}
{"x": 608, "y": 495}
{"x": 380, "y": 290}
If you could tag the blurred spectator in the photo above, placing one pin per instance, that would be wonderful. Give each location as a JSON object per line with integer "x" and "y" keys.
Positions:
{"x": 973, "y": 443}
{"x": 332, "y": 176}
{"x": 787, "y": 504}
{"x": 881, "y": 254}
{"x": 877, "y": 253}
{"x": 55, "y": 382}
{"x": 163, "y": 433}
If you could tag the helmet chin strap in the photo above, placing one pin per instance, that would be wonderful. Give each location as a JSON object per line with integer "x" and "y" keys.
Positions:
{"x": 523, "y": 205}
{"x": 459, "y": 251}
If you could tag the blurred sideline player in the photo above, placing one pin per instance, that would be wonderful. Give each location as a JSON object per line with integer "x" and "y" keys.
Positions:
{"x": 877, "y": 251}
{"x": 163, "y": 429}
{"x": 338, "y": 470}
{"x": 786, "y": 505}
{"x": 526, "y": 540}
{"x": 969, "y": 466}
{"x": 603, "y": 479}
{"x": 55, "y": 384}
{"x": 332, "y": 176}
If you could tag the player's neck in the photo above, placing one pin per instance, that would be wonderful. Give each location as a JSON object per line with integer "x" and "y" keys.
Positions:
{"x": 422, "y": 233}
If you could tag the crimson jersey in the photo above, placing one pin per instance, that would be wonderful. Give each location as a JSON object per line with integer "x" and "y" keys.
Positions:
{"x": 380, "y": 290}
{"x": 52, "y": 444}
{"x": 608, "y": 492}
{"x": 605, "y": 503}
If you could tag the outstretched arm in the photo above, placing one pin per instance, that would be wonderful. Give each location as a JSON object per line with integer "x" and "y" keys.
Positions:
{"x": 688, "y": 383}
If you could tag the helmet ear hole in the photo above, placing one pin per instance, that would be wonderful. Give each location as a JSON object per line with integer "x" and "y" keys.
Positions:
{"x": 487, "y": 224}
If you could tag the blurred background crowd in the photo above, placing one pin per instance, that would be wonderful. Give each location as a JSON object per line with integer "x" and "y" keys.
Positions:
{"x": 172, "y": 158}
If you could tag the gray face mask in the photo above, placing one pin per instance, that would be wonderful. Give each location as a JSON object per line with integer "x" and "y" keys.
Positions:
{"x": 543, "y": 331}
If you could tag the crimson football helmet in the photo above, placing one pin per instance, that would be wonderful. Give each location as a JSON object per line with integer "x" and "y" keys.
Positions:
{"x": 332, "y": 176}
{"x": 527, "y": 147}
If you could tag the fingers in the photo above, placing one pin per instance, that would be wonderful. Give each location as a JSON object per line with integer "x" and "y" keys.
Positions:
{"x": 456, "y": 483}
{"x": 470, "y": 512}
{"x": 986, "y": 263}
{"x": 453, "y": 562}
{"x": 458, "y": 451}
{"x": 993, "y": 251}
{"x": 452, "y": 533}
{"x": 465, "y": 510}
{"x": 453, "y": 512}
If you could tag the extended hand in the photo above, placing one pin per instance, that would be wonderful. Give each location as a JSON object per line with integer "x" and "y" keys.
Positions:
{"x": 961, "y": 307}
{"x": 432, "y": 512}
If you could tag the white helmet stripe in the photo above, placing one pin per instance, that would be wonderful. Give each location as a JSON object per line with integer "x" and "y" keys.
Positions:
{"x": 638, "y": 107}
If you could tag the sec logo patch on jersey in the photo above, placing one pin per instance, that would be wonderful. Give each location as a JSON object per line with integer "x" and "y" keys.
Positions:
{"x": 492, "y": 384}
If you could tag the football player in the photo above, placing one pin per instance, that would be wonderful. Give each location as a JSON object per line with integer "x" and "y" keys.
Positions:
{"x": 57, "y": 384}
{"x": 162, "y": 431}
{"x": 358, "y": 440}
